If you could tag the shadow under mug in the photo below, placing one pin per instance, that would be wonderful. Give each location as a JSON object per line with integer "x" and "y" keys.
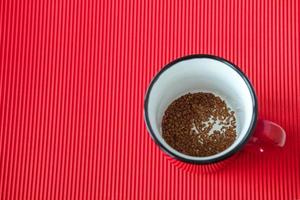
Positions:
{"x": 210, "y": 73}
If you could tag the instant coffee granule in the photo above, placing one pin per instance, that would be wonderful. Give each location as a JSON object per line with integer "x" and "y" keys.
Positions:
{"x": 199, "y": 124}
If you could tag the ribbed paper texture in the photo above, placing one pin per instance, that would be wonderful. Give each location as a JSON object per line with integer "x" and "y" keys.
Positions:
{"x": 73, "y": 75}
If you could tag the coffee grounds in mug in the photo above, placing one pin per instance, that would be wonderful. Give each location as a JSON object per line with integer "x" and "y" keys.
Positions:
{"x": 199, "y": 124}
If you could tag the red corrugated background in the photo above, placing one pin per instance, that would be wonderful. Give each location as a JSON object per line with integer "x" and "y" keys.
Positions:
{"x": 73, "y": 75}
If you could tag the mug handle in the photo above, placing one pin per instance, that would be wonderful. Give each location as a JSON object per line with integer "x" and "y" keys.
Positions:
{"x": 266, "y": 136}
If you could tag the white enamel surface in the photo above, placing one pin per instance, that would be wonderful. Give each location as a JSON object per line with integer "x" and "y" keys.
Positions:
{"x": 200, "y": 74}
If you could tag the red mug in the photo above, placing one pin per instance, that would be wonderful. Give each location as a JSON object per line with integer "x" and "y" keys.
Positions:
{"x": 210, "y": 73}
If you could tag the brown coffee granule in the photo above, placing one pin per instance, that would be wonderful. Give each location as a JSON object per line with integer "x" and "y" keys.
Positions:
{"x": 199, "y": 124}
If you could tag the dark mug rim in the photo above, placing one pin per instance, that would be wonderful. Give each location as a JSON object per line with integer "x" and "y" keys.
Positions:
{"x": 248, "y": 133}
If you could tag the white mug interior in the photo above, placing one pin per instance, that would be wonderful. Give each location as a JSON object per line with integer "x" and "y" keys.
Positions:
{"x": 200, "y": 74}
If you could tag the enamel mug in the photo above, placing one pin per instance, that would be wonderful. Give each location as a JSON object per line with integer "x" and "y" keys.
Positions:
{"x": 208, "y": 73}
